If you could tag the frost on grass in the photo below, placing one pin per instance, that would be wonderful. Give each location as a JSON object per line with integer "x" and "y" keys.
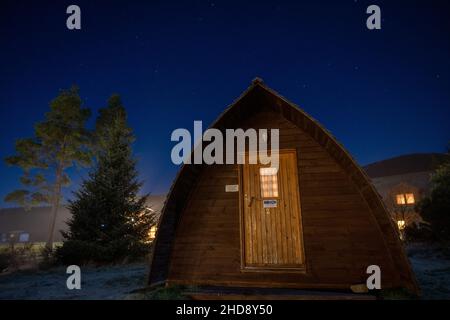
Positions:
{"x": 431, "y": 266}
{"x": 111, "y": 282}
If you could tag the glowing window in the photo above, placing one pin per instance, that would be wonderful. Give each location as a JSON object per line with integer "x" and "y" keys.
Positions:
{"x": 405, "y": 198}
{"x": 152, "y": 233}
{"x": 269, "y": 182}
{"x": 401, "y": 199}
{"x": 409, "y": 198}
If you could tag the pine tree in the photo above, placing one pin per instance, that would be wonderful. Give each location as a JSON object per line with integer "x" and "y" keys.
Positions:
{"x": 109, "y": 220}
{"x": 59, "y": 142}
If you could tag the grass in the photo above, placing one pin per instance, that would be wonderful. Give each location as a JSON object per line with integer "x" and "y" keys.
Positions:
{"x": 431, "y": 265}
{"x": 162, "y": 293}
{"x": 396, "y": 294}
{"x": 35, "y": 246}
{"x": 24, "y": 256}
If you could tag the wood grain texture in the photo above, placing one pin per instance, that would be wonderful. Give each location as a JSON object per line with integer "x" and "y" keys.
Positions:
{"x": 271, "y": 236}
{"x": 345, "y": 227}
{"x": 206, "y": 247}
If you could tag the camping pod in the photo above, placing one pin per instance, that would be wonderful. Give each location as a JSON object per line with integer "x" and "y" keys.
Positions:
{"x": 315, "y": 223}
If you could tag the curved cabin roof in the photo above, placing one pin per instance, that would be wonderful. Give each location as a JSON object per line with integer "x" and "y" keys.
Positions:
{"x": 250, "y": 101}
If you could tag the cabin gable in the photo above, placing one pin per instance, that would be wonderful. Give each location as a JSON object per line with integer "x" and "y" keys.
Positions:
{"x": 338, "y": 226}
{"x": 345, "y": 227}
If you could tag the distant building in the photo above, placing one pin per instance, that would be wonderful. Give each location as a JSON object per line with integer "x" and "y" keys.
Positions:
{"x": 20, "y": 226}
{"x": 403, "y": 181}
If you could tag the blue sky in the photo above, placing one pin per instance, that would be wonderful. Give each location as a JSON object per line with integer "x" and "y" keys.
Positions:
{"x": 381, "y": 93}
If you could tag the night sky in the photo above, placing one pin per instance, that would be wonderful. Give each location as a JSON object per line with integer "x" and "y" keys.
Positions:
{"x": 381, "y": 93}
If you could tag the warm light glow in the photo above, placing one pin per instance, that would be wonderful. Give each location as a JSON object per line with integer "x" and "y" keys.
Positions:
{"x": 401, "y": 199}
{"x": 152, "y": 233}
{"x": 405, "y": 198}
{"x": 410, "y": 198}
{"x": 401, "y": 224}
{"x": 269, "y": 182}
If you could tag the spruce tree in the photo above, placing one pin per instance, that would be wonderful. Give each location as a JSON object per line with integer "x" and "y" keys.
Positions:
{"x": 109, "y": 219}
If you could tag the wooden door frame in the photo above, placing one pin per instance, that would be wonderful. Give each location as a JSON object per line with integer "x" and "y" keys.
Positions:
{"x": 244, "y": 268}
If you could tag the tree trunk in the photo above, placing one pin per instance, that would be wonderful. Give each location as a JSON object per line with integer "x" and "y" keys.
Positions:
{"x": 55, "y": 207}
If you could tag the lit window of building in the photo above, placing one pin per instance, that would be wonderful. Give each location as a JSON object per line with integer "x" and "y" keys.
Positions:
{"x": 409, "y": 198}
{"x": 405, "y": 198}
{"x": 401, "y": 199}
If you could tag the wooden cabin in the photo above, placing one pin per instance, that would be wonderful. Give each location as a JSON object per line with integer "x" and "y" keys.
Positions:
{"x": 327, "y": 227}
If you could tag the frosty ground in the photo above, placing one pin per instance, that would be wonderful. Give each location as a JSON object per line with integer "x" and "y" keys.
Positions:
{"x": 431, "y": 266}
{"x": 113, "y": 282}
{"x": 432, "y": 269}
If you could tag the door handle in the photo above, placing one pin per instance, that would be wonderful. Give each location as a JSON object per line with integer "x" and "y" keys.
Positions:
{"x": 251, "y": 201}
{"x": 252, "y": 198}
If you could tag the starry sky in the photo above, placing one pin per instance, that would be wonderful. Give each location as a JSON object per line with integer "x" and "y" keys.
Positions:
{"x": 382, "y": 93}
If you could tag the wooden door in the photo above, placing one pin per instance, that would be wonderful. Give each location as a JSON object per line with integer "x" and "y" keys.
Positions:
{"x": 271, "y": 219}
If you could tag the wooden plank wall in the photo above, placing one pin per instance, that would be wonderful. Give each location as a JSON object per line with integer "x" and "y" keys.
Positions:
{"x": 341, "y": 235}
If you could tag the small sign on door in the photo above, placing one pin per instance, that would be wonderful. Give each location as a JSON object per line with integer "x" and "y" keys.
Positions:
{"x": 232, "y": 188}
{"x": 270, "y": 203}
